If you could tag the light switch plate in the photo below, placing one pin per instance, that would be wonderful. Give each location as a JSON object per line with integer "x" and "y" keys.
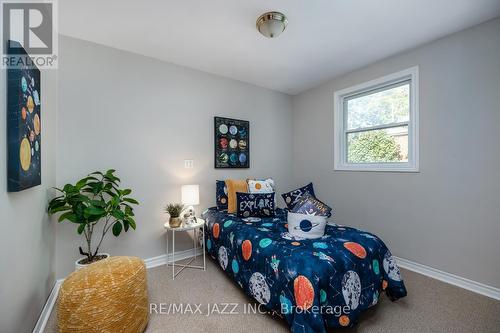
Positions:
{"x": 188, "y": 164}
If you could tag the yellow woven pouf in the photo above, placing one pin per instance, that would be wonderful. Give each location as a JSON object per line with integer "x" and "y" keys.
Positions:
{"x": 108, "y": 296}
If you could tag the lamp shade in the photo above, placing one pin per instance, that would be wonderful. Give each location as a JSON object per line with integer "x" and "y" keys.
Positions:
{"x": 190, "y": 195}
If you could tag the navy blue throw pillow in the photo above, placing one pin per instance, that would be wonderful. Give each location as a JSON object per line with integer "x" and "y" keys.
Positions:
{"x": 309, "y": 205}
{"x": 255, "y": 204}
{"x": 292, "y": 197}
{"x": 221, "y": 195}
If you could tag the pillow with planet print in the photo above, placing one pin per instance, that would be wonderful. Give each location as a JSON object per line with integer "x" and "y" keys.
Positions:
{"x": 255, "y": 204}
{"x": 292, "y": 197}
{"x": 260, "y": 186}
{"x": 310, "y": 205}
{"x": 221, "y": 195}
{"x": 306, "y": 226}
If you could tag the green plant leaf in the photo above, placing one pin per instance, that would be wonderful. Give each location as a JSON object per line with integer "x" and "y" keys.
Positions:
{"x": 79, "y": 210}
{"x": 77, "y": 198}
{"x": 59, "y": 209}
{"x": 94, "y": 211}
{"x": 98, "y": 187}
{"x": 115, "y": 200}
{"x": 131, "y": 221}
{"x": 132, "y": 201}
{"x": 118, "y": 214}
{"x": 98, "y": 203}
{"x": 109, "y": 175}
{"x": 81, "y": 227}
{"x": 117, "y": 228}
{"x": 126, "y": 191}
{"x": 94, "y": 218}
{"x": 126, "y": 225}
{"x": 68, "y": 216}
{"x": 128, "y": 210}
{"x": 68, "y": 188}
{"x": 110, "y": 191}
{"x": 81, "y": 183}
{"x": 54, "y": 204}
{"x": 57, "y": 202}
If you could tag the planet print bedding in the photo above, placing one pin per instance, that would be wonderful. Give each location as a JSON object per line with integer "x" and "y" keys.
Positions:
{"x": 314, "y": 284}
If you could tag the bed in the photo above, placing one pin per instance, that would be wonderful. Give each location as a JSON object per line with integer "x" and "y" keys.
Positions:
{"x": 314, "y": 284}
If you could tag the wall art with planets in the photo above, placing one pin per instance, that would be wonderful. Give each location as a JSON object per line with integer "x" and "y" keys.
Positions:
{"x": 23, "y": 128}
{"x": 232, "y": 143}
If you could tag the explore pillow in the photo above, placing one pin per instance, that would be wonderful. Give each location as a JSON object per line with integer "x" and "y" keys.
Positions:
{"x": 255, "y": 204}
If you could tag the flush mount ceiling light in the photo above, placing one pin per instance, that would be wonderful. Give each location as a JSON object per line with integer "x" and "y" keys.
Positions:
{"x": 271, "y": 24}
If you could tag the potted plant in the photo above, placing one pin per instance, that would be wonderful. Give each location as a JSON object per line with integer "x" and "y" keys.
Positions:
{"x": 175, "y": 211}
{"x": 96, "y": 204}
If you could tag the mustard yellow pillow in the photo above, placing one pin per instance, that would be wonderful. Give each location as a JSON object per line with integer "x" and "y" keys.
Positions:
{"x": 233, "y": 186}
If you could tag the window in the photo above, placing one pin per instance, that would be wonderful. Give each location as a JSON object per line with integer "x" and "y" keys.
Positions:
{"x": 376, "y": 124}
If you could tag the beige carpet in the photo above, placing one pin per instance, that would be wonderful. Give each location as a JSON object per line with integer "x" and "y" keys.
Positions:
{"x": 431, "y": 306}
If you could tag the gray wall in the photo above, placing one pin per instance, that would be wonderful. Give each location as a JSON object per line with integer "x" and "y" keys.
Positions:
{"x": 143, "y": 117}
{"x": 28, "y": 237}
{"x": 448, "y": 215}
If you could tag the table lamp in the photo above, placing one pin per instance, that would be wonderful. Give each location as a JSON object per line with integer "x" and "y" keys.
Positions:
{"x": 190, "y": 197}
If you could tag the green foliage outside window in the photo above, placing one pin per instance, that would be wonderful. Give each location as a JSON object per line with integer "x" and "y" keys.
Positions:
{"x": 373, "y": 147}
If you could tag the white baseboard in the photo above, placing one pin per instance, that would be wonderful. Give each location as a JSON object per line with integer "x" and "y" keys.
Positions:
{"x": 47, "y": 308}
{"x": 455, "y": 280}
{"x": 150, "y": 263}
{"x": 162, "y": 260}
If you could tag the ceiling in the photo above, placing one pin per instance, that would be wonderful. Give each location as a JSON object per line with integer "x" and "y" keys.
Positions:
{"x": 324, "y": 38}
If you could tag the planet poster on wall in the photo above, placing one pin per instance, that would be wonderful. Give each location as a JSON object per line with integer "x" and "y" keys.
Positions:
{"x": 24, "y": 131}
{"x": 232, "y": 143}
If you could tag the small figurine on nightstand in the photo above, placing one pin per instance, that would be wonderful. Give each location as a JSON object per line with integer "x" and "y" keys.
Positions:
{"x": 190, "y": 198}
{"x": 189, "y": 217}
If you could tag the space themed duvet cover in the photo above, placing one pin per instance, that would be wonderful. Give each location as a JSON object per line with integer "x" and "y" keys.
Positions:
{"x": 313, "y": 283}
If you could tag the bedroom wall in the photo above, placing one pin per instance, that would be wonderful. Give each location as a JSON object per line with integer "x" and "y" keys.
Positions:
{"x": 27, "y": 248}
{"x": 447, "y": 215}
{"x": 143, "y": 117}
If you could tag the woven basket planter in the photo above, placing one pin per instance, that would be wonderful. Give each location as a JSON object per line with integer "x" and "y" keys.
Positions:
{"x": 107, "y": 296}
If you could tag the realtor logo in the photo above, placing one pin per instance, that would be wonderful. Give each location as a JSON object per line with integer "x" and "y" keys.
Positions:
{"x": 28, "y": 34}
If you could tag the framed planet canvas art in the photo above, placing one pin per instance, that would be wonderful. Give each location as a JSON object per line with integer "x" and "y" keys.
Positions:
{"x": 24, "y": 131}
{"x": 232, "y": 143}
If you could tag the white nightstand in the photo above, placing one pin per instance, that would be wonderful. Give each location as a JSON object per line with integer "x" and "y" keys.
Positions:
{"x": 195, "y": 226}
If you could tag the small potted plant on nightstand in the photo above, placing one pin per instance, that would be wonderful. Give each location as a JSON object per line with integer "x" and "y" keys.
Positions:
{"x": 175, "y": 211}
{"x": 93, "y": 199}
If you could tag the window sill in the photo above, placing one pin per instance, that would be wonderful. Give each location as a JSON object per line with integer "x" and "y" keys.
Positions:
{"x": 378, "y": 168}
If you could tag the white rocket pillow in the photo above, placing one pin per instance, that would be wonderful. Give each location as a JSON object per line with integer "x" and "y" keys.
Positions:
{"x": 306, "y": 226}
{"x": 261, "y": 186}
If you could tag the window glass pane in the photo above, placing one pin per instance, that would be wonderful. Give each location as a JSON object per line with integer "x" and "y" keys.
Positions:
{"x": 388, "y": 106}
{"x": 378, "y": 146}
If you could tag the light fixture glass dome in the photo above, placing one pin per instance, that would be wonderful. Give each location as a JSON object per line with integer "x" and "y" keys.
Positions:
{"x": 272, "y": 24}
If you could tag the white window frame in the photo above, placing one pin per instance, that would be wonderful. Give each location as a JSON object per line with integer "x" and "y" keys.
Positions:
{"x": 340, "y": 125}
